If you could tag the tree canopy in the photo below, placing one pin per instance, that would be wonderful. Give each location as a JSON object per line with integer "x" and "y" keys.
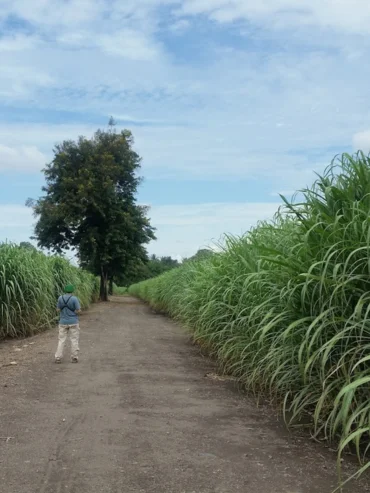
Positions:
{"x": 155, "y": 266}
{"x": 90, "y": 204}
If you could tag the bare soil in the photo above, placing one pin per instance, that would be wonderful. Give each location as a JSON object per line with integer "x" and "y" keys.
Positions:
{"x": 143, "y": 411}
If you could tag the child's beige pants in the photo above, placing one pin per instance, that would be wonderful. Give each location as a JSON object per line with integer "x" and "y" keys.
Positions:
{"x": 74, "y": 335}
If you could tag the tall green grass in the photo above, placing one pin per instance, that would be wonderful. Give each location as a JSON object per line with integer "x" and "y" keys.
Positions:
{"x": 286, "y": 307}
{"x": 30, "y": 283}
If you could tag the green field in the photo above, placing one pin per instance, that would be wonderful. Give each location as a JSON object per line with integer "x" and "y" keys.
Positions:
{"x": 286, "y": 307}
{"x": 30, "y": 283}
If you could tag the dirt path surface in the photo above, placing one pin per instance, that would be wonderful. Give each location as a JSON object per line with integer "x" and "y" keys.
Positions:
{"x": 138, "y": 414}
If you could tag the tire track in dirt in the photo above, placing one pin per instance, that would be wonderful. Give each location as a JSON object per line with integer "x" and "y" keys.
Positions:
{"x": 56, "y": 476}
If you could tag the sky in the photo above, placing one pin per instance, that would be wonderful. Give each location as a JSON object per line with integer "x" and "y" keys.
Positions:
{"x": 230, "y": 102}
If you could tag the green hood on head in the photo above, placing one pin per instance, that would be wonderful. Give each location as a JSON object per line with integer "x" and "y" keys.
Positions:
{"x": 69, "y": 288}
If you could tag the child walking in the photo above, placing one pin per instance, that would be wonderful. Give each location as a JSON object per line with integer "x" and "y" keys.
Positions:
{"x": 69, "y": 306}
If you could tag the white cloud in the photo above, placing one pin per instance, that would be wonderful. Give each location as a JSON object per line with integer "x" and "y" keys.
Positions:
{"x": 183, "y": 229}
{"x": 123, "y": 31}
{"x": 25, "y": 158}
{"x": 134, "y": 119}
{"x": 50, "y": 14}
{"x": 361, "y": 141}
{"x": 16, "y": 223}
{"x": 237, "y": 95}
{"x": 43, "y": 136}
{"x": 15, "y": 216}
{"x": 79, "y": 22}
{"x": 18, "y": 42}
{"x": 72, "y": 39}
{"x": 349, "y": 16}
{"x": 18, "y": 83}
{"x": 126, "y": 43}
{"x": 254, "y": 110}
{"x": 129, "y": 44}
{"x": 180, "y": 26}
{"x": 239, "y": 115}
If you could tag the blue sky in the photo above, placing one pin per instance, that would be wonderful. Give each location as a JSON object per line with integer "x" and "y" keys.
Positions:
{"x": 230, "y": 101}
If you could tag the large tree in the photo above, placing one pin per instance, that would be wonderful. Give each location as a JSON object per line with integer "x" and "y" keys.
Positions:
{"x": 90, "y": 204}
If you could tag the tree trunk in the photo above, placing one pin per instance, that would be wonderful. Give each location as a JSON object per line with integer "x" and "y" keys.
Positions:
{"x": 103, "y": 285}
{"x": 110, "y": 287}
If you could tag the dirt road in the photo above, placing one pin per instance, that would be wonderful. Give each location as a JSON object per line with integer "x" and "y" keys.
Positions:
{"x": 139, "y": 414}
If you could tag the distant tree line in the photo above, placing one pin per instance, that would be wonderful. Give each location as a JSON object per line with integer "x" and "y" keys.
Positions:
{"x": 155, "y": 266}
{"x": 27, "y": 245}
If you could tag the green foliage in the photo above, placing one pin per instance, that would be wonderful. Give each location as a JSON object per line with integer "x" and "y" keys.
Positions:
{"x": 140, "y": 271}
{"x": 201, "y": 254}
{"x": 30, "y": 283}
{"x": 27, "y": 245}
{"x": 286, "y": 308}
{"x": 90, "y": 204}
{"x": 119, "y": 291}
